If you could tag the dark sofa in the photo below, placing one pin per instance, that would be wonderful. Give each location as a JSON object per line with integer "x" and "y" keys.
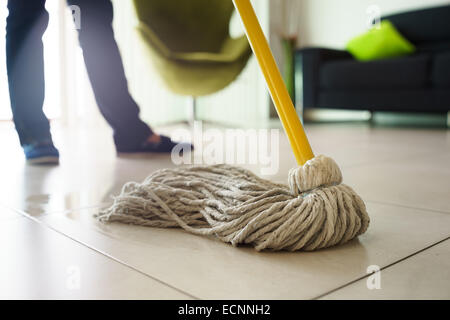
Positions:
{"x": 415, "y": 83}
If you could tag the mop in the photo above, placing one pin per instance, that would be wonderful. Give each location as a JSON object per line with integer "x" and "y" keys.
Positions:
{"x": 314, "y": 211}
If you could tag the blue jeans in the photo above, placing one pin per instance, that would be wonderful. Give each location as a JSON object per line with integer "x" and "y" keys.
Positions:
{"x": 26, "y": 23}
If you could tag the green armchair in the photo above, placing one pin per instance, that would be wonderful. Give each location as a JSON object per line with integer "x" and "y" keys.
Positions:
{"x": 190, "y": 45}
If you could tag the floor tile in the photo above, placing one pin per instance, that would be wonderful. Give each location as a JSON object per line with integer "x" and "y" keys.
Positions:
{"x": 39, "y": 263}
{"x": 212, "y": 270}
{"x": 71, "y": 185}
{"x": 404, "y": 173}
{"x": 7, "y": 214}
{"x": 352, "y": 145}
{"x": 420, "y": 182}
{"x": 356, "y": 145}
{"x": 43, "y": 190}
{"x": 425, "y": 275}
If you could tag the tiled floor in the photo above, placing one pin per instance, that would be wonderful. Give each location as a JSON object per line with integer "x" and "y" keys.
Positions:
{"x": 52, "y": 246}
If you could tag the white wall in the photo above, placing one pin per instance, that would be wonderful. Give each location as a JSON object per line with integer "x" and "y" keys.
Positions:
{"x": 332, "y": 23}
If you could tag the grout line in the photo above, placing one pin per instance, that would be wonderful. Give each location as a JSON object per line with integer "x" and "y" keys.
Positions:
{"x": 405, "y": 206}
{"x": 43, "y": 224}
{"x": 384, "y": 268}
{"x": 54, "y": 213}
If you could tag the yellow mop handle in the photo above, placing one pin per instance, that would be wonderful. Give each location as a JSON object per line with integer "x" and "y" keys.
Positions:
{"x": 280, "y": 96}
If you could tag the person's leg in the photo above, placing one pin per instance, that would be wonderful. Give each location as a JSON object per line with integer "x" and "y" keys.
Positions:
{"x": 26, "y": 23}
{"x": 107, "y": 76}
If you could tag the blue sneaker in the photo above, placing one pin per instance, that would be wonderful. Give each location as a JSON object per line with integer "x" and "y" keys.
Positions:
{"x": 41, "y": 154}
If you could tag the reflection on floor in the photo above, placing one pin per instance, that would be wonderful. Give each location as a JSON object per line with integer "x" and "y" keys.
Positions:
{"x": 52, "y": 247}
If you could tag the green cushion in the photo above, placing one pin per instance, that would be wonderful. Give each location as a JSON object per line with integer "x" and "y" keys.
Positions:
{"x": 380, "y": 43}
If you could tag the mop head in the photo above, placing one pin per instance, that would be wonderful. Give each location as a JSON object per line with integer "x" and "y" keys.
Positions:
{"x": 232, "y": 204}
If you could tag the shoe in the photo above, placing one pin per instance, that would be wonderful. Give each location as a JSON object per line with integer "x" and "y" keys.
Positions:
{"x": 165, "y": 145}
{"x": 41, "y": 154}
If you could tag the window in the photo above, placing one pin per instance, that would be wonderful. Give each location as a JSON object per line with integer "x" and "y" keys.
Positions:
{"x": 52, "y": 104}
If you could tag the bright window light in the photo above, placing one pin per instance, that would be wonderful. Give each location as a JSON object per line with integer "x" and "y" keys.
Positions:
{"x": 52, "y": 107}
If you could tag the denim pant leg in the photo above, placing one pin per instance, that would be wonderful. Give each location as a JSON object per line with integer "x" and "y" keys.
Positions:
{"x": 26, "y": 23}
{"x": 106, "y": 73}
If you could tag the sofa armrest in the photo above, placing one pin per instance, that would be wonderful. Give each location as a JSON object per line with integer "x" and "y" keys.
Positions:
{"x": 308, "y": 63}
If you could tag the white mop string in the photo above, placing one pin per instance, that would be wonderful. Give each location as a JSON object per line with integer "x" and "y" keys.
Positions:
{"x": 232, "y": 204}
